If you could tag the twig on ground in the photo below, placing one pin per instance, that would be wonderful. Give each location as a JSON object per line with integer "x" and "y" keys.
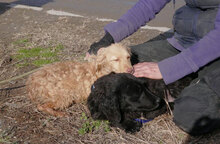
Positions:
{"x": 11, "y": 64}
{"x": 166, "y": 93}
{"x": 135, "y": 138}
{"x": 18, "y": 77}
{"x": 170, "y": 132}
{"x": 123, "y": 139}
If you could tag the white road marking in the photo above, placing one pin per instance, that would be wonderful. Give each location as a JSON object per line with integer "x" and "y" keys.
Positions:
{"x": 162, "y": 29}
{"x": 62, "y": 13}
{"x": 25, "y": 7}
{"x": 105, "y": 20}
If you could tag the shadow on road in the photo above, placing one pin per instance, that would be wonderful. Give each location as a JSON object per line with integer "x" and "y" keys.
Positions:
{"x": 3, "y": 7}
{"x": 37, "y": 3}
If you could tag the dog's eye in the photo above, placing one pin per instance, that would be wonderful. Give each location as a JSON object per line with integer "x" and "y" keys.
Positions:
{"x": 116, "y": 60}
{"x": 128, "y": 57}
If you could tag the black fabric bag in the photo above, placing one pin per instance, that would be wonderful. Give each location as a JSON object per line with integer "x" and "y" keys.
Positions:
{"x": 213, "y": 80}
{"x": 203, "y": 4}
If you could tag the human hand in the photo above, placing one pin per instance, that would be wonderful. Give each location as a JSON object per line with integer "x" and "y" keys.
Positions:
{"x": 104, "y": 42}
{"x": 147, "y": 69}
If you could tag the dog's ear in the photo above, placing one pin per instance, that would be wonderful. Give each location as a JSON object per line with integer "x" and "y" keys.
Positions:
{"x": 101, "y": 51}
{"x": 110, "y": 108}
{"x": 100, "y": 59}
{"x": 129, "y": 50}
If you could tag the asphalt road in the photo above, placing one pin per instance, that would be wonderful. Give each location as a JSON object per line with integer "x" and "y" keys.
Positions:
{"x": 111, "y": 9}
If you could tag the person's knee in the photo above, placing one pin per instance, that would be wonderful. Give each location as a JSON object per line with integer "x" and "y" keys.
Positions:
{"x": 193, "y": 116}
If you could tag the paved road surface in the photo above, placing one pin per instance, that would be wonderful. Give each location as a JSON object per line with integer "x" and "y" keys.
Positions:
{"x": 111, "y": 9}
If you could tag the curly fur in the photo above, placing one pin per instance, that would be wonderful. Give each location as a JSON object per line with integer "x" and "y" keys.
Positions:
{"x": 56, "y": 86}
{"x": 121, "y": 98}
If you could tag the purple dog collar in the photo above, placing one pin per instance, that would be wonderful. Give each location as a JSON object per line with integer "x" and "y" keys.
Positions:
{"x": 143, "y": 120}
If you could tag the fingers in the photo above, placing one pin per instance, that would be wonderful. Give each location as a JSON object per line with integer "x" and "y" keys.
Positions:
{"x": 147, "y": 69}
{"x": 141, "y": 74}
{"x": 130, "y": 70}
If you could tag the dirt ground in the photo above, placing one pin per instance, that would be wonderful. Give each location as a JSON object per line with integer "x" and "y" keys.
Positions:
{"x": 20, "y": 122}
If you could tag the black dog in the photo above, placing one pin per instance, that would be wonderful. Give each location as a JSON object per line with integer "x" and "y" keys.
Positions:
{"x": 121, "y": 98}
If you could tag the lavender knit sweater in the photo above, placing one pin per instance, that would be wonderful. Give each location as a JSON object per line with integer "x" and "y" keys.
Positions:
{"x": 188, "y": 60}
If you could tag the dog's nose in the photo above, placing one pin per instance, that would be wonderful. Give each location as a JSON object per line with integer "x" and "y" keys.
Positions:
{"x": 130, "y": 70}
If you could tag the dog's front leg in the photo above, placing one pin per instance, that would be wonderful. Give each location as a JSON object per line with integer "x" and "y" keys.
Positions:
{"x": 49, "y": 108}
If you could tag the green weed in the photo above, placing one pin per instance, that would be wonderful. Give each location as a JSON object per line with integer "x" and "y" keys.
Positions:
{"x": 41, "y": 62}
{"x": 21, "y": 41}
{"x": 90, "y": 125}
{"x": 4, "y": 138}
{"x": 37, "y": 56}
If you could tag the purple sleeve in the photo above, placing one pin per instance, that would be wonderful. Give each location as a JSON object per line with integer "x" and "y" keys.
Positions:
{"x": 142, "y": 12}
{"x": 191, "y": 59}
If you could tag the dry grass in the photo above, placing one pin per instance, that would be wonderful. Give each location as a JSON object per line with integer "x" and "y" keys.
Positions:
{"x": 20, "y": 122}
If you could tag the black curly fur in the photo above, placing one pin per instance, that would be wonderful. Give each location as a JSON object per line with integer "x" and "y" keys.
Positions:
{"x": 121, "y": 98}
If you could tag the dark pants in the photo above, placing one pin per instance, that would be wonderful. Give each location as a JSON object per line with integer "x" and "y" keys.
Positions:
{"x": 197, "y": 108}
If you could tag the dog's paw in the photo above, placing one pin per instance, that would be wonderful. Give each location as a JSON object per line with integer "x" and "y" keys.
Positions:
{"x": 61, "y": 114}
{"x": 48, "y": 110}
